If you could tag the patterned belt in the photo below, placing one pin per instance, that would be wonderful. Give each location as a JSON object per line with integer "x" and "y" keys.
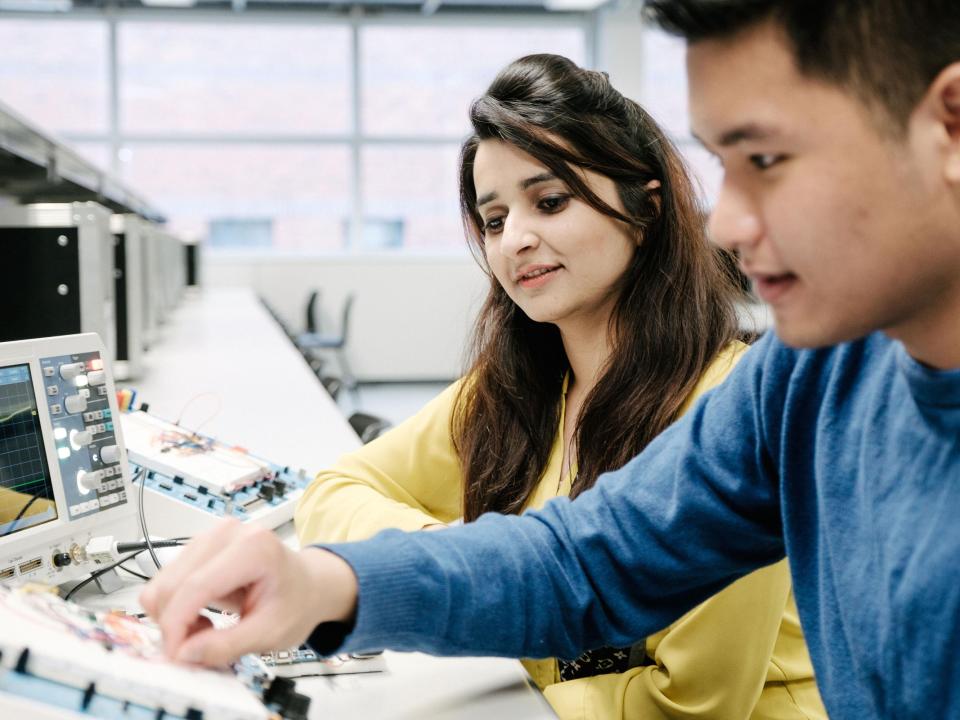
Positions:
{"x": 604, "y": 661}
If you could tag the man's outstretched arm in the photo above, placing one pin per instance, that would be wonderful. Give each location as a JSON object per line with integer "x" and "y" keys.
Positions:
{"x": 693, "y": 512}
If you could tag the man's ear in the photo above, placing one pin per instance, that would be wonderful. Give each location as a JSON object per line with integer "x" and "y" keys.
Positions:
{"x": 944, "y": 101}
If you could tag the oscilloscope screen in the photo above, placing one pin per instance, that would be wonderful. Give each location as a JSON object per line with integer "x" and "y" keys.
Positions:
{"x": 26, "y": 490}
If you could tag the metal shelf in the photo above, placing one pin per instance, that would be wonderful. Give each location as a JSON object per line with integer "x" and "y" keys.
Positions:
{"x": 34, "y": 167}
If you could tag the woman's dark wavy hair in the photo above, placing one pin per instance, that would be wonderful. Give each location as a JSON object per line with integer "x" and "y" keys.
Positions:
{"x": 674, "y": 313}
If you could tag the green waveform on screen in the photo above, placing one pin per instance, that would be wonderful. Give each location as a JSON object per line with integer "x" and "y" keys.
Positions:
{"x": 25, "y": 483}
{"x": 18, "y": 411}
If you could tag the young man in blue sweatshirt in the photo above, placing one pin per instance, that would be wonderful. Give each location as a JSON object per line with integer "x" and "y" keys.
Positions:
{"x": 835, "y": 441}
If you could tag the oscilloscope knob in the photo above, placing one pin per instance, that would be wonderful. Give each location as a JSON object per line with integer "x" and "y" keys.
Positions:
{"x": 75, "y": 404}
{"x": 69, "y": 371}
{"x": 83, "y": 438}
{"x": 110, "y": 454}
{"x": 90, "y": 480}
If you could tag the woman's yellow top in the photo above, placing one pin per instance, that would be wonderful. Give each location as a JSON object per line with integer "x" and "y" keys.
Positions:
{"x": 740, "y": 654}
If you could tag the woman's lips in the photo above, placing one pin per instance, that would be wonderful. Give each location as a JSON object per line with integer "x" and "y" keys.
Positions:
{"x": 537, "y": 278}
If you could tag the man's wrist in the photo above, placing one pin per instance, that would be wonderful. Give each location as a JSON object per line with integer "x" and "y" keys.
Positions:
{"x": 333, "y": 583}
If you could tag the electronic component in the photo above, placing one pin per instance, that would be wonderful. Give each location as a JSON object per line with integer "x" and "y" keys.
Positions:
{"x": 57, "y": 272}
{"x": 63, "y": 471}
{"x": 192, "y": 480}
{"x": 304, "y": 662}
{"x": 56, "y": 655}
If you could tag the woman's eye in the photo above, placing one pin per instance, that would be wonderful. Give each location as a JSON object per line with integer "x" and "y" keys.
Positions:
{"x": 763, "y": 161}
{"x": 493, "y": 226}
{"x": 553, "y": 203}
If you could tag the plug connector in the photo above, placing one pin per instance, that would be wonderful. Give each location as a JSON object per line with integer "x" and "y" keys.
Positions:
{"x": 102, "y": 550}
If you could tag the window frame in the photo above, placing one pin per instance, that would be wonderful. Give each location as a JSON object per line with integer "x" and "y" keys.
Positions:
{"x": 355, "y": 139}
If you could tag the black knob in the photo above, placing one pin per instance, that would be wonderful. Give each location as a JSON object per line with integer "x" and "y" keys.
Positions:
{"x": 62, "y": 560}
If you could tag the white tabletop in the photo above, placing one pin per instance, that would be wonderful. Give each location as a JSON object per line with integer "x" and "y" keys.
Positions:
{"x": 265, "y": 398}
{"x": 221, "y": 362}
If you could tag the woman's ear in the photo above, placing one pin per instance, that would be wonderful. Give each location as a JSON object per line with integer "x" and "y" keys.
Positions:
{"x": 653, "y": 188}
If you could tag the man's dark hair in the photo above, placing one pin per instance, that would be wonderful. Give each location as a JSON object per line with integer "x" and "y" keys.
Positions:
{"x": 887, "y": 52}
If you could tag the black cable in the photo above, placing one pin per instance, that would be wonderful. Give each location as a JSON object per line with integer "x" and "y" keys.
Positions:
{"x": 143, "y": 518}
{"x": 147, "y": 543}
{"x": 19, "y": 517}
{"x": 119, "y": 563}
{"x": 135, "y": 546}
{"x": 133, "y": 572}
{"x": 98, "y": 573}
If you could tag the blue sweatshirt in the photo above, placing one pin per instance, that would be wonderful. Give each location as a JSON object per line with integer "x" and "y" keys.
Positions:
{"x": 847, "y": 459}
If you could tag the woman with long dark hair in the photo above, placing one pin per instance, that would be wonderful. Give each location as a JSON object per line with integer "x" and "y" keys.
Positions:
{"x": 608, "y": 314}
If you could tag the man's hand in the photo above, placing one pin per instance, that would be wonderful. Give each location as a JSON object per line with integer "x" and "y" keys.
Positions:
{"x": 281, "y": 595}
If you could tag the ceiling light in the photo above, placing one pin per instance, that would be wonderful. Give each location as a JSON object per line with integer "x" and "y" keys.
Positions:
{"x": 169, "y": 3}
{"x": 573, "y": 5}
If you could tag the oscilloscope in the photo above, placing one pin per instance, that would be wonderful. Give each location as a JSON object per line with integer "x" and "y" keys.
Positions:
{"x": 63, "y": 469}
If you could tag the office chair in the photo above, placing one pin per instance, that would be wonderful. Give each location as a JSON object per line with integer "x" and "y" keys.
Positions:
{"x": 368, "y": 427}
{"x": 333, "y": 385}
{"x": 309, "y": 342}
{"x": 312, "y": 323}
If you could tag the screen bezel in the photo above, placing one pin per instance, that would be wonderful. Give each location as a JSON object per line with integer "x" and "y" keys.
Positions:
{"x": 51, "y": 468}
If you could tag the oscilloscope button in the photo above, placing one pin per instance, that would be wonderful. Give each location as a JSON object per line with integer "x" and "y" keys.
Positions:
{"x": 96, "y": 377}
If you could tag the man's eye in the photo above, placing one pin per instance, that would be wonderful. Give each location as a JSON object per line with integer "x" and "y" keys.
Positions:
{"x": 763, "y": 161}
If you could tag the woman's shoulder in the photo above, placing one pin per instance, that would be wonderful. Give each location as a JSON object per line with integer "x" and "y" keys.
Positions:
{"x": 723, "y": 363}
{"x": 444, "y": 402}
{"x": 717, "y": 371}
{"x": 432, "y": 418}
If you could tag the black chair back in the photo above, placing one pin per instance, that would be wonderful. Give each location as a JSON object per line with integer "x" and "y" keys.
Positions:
{"x": 368, "y": 427}
{"x": 312, "y": 323}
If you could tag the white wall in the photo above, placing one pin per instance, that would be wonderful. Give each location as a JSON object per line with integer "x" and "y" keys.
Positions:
{"x": 411, "y": 315}
{"x": 619, "y": 46}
